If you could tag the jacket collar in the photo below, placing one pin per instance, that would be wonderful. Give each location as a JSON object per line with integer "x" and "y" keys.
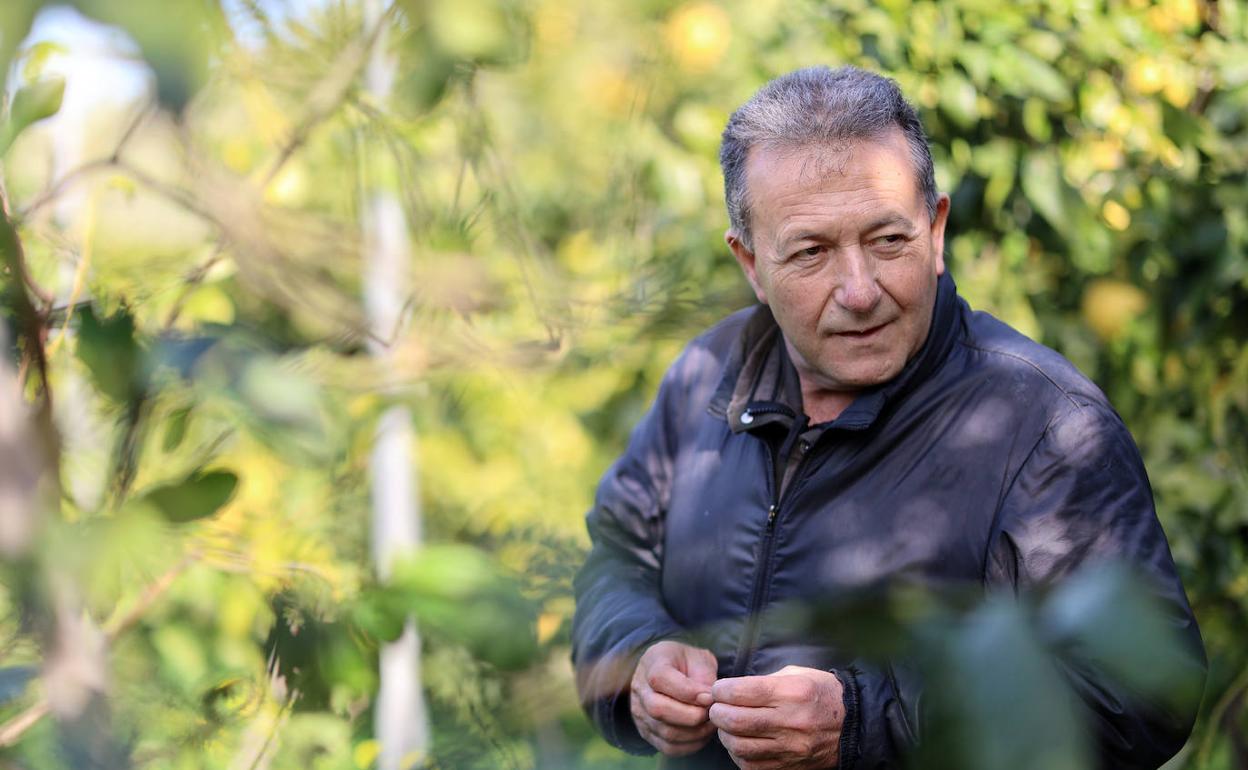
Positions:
{"x": 759, "y": 379}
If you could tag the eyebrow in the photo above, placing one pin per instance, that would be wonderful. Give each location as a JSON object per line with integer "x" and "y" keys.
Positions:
{"x": 887, "y": 220}
{"x": 878, "y": 223}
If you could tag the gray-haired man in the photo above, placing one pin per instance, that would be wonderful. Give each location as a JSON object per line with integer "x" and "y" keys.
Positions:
{"x": 860, "y": 424}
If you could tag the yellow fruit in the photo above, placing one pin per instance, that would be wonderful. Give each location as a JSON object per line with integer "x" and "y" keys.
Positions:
{"x": 1116, "y": 216}
{"x": 698, "y": 34}
{"x": 1186, "y": 12}
{"x": 1109, "y": 306}
{"x": 1146, "y": 75}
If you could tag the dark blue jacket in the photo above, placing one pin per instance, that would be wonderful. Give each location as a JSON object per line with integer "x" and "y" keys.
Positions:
{"x": 989, "y": 460}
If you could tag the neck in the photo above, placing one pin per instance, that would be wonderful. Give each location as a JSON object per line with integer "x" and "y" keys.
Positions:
{"x": 824, "y": 405}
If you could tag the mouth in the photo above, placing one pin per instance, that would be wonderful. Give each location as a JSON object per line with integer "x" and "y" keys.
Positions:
{"x": 863, "y": 334}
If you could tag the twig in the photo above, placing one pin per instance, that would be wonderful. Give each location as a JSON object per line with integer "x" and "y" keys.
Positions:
{"x": 193, "y": 279}
{"x": 117, "y": 625}
{"x": 130, "y": 131}
{"x": 80, "y": 274}
{"x": 12, "y": 731}
{"x": 31, "y": 322}
{"x": 1218, "y": 713}
{"x": 175, "y": 194}
{"x": 328, "y": 95}
{"x": 57, "y": 188}
{"x": 278, "y": 721}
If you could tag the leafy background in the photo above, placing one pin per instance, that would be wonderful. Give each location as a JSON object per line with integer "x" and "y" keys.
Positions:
{"x": 189, "y": 403}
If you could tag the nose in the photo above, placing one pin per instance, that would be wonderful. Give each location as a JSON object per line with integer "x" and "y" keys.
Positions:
{"x": 857, "y": 290}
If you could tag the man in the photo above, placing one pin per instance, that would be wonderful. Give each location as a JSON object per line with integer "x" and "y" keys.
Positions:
{"x": 861, "y": 424}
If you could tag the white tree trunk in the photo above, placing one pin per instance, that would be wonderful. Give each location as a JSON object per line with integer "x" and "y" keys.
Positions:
{"x": 402, "y": 723}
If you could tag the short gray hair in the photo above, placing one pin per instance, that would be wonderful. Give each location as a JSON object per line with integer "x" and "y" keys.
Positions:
{"x": 818, "y": 105}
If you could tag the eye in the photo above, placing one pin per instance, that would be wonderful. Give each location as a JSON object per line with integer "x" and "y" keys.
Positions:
{"x": 810, "y": 251}
{"x": 890, "y": 243}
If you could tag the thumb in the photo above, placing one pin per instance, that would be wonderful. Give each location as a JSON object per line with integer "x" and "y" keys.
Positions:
{"x": 703, "y": 668}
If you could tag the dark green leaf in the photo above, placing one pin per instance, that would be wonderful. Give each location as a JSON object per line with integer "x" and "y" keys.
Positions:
{"x": 198, "y": 496}
{"x": 175, "y": 429}
{"x": 995, "y": 699}
{"x": 1106, "y": 619}
{"x": 108, "y": 348}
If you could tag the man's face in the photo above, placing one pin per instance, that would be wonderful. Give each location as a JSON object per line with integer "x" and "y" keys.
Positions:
{"x": 845, "y": 255}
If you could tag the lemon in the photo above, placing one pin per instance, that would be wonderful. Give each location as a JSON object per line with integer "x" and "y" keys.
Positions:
{"x": 698, "y": 34}
{"x": 1109, "y": 305}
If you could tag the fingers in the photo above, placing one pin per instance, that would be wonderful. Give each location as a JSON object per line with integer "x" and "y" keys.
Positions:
{"x": 703, "y": 668}
{"x": 664, "y": 699}
{"x": 754, "y": 749}
{"x": 673, "y": 683}
{"x": 670, "y": 710}
{"x": 743, "y": 722}
{"x": 753, "y": 691}
{"x": 672, "y": 740}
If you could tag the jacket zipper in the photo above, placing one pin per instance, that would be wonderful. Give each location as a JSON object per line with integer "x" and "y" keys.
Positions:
{"x": 749, "y": 636}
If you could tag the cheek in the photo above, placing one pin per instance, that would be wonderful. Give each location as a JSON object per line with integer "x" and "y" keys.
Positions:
{"x": 909, "y": 282}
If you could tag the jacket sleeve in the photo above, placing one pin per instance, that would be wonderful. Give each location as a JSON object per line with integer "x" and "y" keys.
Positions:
{"x": 1080, "y": 497}
{"x": 619, "y": 608}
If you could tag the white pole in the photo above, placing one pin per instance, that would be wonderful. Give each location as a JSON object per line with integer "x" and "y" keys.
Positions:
{"x": 401, "y": 718}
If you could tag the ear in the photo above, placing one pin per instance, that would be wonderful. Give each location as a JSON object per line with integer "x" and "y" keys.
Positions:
{"x": 938, "y": 232}
{"x": 745, "y": 258}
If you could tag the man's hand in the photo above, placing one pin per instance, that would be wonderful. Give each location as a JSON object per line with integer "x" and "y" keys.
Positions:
{"x": 670, "y": 694}
{"x": 789, "y": 720}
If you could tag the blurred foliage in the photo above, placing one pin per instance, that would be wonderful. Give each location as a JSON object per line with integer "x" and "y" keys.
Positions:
{"x": 189, "y": 573}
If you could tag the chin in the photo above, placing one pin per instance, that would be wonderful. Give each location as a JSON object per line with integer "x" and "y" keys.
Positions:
{"x": 867, "y": 379}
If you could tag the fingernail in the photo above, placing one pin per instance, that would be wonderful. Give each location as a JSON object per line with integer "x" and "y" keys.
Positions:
{"x": 705, "y": 699}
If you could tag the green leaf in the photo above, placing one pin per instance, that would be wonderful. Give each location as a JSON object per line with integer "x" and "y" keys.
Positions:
{"x": 958, "y": 99}
{"x": 108, "y": 348}
{"x": 480, "y": 31}
{"x": 198, "y": 496}
{"x": 175, "y": 429}
{"x": 461, "y": 593}
{"x": 32, "y": 103}
{"x": 1042, "y": 184}
{"x": 996, "y": 700}
{"x": 173, "y": 36}
{"x": 37, "y": 57}
{"x": 1105, "y": 618}
{"x": 15, "y": 19}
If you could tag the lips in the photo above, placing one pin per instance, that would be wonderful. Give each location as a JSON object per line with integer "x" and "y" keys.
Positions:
{"x": 863, "y": 334}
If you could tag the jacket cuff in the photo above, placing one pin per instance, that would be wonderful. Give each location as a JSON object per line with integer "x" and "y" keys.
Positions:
{"x": 613, "y": 712}
{"x": 619, "y": 730}
{"x": 851, "y": 728}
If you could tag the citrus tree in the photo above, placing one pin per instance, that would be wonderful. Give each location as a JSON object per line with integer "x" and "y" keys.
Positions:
{"x": 191, "y": 384}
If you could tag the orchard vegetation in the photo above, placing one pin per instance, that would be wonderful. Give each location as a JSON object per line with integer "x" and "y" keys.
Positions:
{"x": 191, "y": 384}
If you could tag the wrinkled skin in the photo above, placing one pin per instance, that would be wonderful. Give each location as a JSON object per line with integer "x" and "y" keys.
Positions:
{"x": 669, "y": 697}
{"x": 846, "y": 256}
{"x": 789, "y": 720}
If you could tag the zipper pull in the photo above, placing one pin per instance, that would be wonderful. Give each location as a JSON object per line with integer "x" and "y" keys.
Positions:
{"x": 772, "y": 511}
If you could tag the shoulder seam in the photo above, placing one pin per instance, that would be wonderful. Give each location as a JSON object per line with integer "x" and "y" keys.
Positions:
{"x": 1077, "y": 404}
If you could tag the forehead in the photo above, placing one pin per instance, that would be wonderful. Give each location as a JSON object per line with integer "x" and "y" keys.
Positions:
{"x": 874, "y": 166}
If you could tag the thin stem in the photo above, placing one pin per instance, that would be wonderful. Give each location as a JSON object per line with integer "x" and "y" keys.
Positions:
{"x": 15, "y": 728}
{"x": 329, "y": 94}
{"x": 1218, "y": 714}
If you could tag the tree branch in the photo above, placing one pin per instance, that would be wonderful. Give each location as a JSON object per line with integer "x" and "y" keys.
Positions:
{"x": 13, "y": 730}
{"x": 329, "y": 94}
